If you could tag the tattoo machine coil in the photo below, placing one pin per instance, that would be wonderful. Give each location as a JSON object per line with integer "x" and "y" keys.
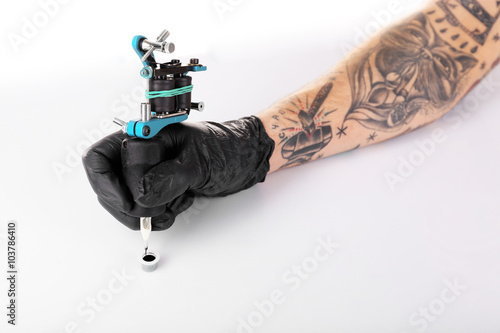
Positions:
{"x": 168, "y": 101}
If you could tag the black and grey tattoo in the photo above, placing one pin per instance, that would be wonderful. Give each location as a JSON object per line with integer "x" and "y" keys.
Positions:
{"x": 483, "y": 17}
{"x": 309, "y": 132}
{"x": 412, "y": 70}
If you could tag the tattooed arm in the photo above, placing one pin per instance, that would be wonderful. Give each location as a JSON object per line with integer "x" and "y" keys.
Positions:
{"x": 408, "y": 76}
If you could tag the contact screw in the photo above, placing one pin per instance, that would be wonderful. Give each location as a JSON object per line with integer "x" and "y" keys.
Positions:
{"x": 121, "y": 123}
{"x": 200, "y": 106}
{"x": 163, "y": 35}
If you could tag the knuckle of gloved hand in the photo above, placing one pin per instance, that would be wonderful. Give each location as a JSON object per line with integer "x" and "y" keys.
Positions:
{"x": 147, "y": 197}
{"x": 131, "y": 226}
{"x": 159, "y": 226}
{"x": 147, "y": 201}
{"x": 87, "y": 156}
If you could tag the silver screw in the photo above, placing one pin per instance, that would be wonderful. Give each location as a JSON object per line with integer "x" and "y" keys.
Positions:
{"x": 163, "y": 35}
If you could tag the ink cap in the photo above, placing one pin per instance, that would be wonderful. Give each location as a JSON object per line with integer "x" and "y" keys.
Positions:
{"x": 149, "y": 261}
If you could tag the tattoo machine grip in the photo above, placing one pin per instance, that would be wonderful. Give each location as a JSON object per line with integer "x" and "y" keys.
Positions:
{"x": 138, "y": 157}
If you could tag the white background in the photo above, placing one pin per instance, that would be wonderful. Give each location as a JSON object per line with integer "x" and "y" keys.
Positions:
{"x": 396, "y": 248}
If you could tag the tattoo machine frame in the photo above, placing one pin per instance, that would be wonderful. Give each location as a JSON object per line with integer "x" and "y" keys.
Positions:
{"x": 168, "y": 101}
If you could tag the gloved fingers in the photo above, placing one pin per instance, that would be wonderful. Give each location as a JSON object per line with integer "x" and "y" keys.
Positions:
{"x": 102, "y": 162}
{"x": 161, "y": 222}
{"x": 165, "y": 182}
{"x": 181, "y": 203}
{"x": 139, "y": 211}
{"x": 174, "y": 208}
{"x": 130, "y": 222}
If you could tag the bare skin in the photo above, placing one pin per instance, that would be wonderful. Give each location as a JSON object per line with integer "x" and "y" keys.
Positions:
{"x": 404, "y": 78}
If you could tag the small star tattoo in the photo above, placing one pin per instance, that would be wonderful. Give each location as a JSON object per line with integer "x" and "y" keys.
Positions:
{"x": 483, "y": 65}
{"x": 372, "y": 137}
{"x": 496, "y": 38}
{"x": 341, "y": 131}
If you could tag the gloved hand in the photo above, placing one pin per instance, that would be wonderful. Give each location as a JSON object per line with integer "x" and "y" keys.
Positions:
{"x": 206, "y": 158}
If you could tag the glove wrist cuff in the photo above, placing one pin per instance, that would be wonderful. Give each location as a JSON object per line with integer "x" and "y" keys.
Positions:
{"x": 245, "y": 150}
{"x": 265, "y": 149}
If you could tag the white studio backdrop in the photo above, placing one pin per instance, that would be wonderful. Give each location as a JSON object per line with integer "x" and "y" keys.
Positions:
{"x": 325, "y": 247}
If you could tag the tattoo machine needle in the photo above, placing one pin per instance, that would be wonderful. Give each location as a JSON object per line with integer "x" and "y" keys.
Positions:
{"x": 145, "y": 231}
{"x": 149, "y": 260}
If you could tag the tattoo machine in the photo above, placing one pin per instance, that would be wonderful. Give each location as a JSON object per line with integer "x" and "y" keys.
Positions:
{"x": 168, "y": 101}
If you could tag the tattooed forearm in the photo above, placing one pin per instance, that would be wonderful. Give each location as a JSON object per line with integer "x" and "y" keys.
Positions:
{"x": 412, "y": 70}
{"x": 401, "y": 80}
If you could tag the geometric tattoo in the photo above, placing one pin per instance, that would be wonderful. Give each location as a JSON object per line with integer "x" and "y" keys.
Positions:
{"x": 412, "y": 70}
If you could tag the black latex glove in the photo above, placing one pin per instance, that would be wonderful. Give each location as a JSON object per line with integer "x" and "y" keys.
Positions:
{"x": 206, "y": 158}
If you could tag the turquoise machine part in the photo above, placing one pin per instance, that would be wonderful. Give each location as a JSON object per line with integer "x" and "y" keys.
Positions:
{"x": 148, "y": 129}
{"x": 147, "y": 70}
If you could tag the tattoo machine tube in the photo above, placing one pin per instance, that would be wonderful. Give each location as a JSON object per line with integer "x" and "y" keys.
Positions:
{"x": 138, "y": 157}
